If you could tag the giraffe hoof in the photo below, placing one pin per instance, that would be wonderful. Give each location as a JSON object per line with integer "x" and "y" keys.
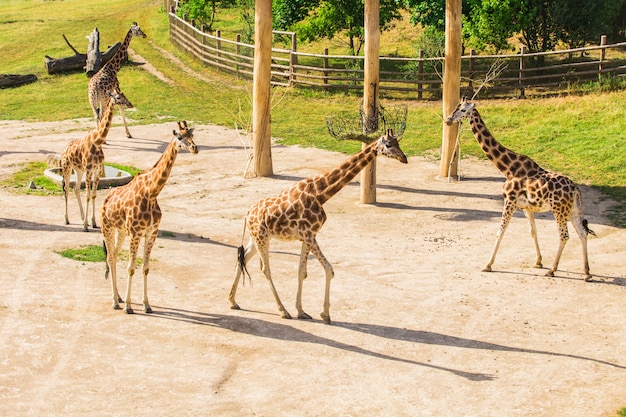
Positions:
{"x": 129, "y": 311}
{"x": 486, "y": 269}
{"x": 147, "y": 310}
{"x": 116, "y": 306}
{"x": 234, "y": 306}
{"x": 326, "y": 318}
{"x": 304, "y": 316}
{"x": 550, "y": 273}
{"x": 286, "y": 315}
{"x": 538, "y": 265}
{"x": 588, "y": 278}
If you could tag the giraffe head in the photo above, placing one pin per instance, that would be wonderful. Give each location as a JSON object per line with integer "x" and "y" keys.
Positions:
{"x": 135, "y": 30}
{"x": 389, "y": 146}
{"x": 184, "y": 137}
{"x": 120, "y": 99}
{"x": 462, "y": 111}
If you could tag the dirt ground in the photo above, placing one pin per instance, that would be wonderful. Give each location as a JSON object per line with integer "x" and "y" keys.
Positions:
{"x": 417, "y": 328}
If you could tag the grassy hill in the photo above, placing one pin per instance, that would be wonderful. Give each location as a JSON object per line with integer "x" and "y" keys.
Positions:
{"x": 580, "y": 136}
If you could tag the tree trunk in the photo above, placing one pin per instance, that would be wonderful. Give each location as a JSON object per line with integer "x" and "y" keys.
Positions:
{"x": 261, "y": 88}
{"x": 13, "y": 80}
{"x": 75, "y": 62}
{"x": 94, "y": 57}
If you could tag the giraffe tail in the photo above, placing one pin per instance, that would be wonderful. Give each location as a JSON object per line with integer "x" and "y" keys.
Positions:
{"x": 241, "y": 258}
{"x": 587, "y": 229}
{"x": 106, "y": 264}
{"x": 579, "y": 206}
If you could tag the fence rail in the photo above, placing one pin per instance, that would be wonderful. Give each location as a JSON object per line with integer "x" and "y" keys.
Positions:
{"x": 522, "y": 74}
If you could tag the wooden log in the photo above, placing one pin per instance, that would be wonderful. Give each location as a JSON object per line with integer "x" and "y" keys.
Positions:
{"x": 13, "y": 80}
{"x": 94, "y": 57}
{"x": 76, "y": 62}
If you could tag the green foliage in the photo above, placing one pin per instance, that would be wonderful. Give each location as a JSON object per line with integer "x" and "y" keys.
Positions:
{"x": 489, "y": 24}
{"x": 622, "y": 412}
{"x": 316, "y": 19}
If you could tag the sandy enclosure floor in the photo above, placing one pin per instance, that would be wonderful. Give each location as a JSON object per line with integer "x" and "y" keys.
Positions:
{"x": 417, "y": 328}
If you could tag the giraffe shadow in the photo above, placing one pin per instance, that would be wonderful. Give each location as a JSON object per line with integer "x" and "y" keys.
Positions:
{"x": 19, "y": 224}
{"x": 191, "y": 237}
{"x": 284, "y": 332}
{"x": 432, "y": 338}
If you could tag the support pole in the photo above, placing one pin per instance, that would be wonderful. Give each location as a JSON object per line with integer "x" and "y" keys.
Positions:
{"x": 370, "y": 91}
{"x": 261, "y": 89}
{"x": 451, "y": 89}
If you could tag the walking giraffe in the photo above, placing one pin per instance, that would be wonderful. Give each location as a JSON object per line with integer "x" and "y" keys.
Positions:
{"x": 133, "y": 210}
{"x": 529, "y": 188}
{"x": 298, "y": 213}
{"x": 86, "y": 156}
{"x": 105, "y": 80}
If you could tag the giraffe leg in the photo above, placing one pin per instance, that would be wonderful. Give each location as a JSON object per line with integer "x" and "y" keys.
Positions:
{"x": 582, "y": 234}
{"x": 328, "y": 268}
{"x": 94, "y": 190}
{"x": 265, "y": 267}
{"x": 507, "y": 213}
{"x": 533, "y": 233}
{"x": 128, "y": 135}
{"x": 79, "y": 180}
{"x": 302, "y": 273}
{"x": 111, "y": 247}
{"x": 564, "y": 236}
{"x": 67, "y": 172}
{"x": 147, "y": 249}
{"x": 134, "y": 246}
{"x": 249, "y": 251}
{"x": 88, "y": 188}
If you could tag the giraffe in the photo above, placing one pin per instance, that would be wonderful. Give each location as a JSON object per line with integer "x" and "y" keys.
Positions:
{"x": 133, "y": 210}
{"x": 105, "y": 80}
{"x": 85, "y": 156}
{"x": 530, "y": 188}
{"x": 298, "y": 214}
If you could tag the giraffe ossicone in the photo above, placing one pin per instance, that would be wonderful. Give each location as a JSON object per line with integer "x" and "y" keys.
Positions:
{"x": 132, "y": 210}
{"x": 85, "y": 156}
{"x": 530, "y": 188}
{"x": 298, "y": 214}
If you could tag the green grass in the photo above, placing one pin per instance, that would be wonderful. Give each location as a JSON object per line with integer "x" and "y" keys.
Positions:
{"x": 34, "y": 171}
{"x": 95, "y": 253}
{"x": 622, "y": 412}
{"x": 581, "y": 136}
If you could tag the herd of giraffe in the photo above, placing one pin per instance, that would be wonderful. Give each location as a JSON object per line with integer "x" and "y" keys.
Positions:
{"x": 297, "y": 213}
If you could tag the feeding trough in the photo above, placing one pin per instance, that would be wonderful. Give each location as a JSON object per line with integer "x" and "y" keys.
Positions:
{"x": 112, "y": 177}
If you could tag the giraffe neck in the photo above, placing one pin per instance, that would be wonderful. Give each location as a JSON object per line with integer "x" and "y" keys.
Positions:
{"x": 103, "y": 127}
{"x": 510, "y": 163}
{"x": 329, "y": 184}
{"x": 157, "y": 175}
{"x": 116, "y": 61}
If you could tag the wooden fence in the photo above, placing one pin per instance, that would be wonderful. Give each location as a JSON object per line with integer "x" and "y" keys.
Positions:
{"x": 522, "y": 74}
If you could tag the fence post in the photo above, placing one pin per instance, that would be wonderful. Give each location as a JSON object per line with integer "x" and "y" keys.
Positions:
{"x": 218, "y": 46}
{"x": 471, "y": 69}
{"x": 325, "y": 67}
{"x": 521, "y": 72}
{"x": 602, "y": 56}
{"x": 238, "y": 50}
{"x": 420, "y": 74}
{"x": 293, "y": 60}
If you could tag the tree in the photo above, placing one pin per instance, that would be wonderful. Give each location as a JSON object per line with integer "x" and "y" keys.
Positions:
{"x": 540, "y": 24}
{"x": 315, "y": 19}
